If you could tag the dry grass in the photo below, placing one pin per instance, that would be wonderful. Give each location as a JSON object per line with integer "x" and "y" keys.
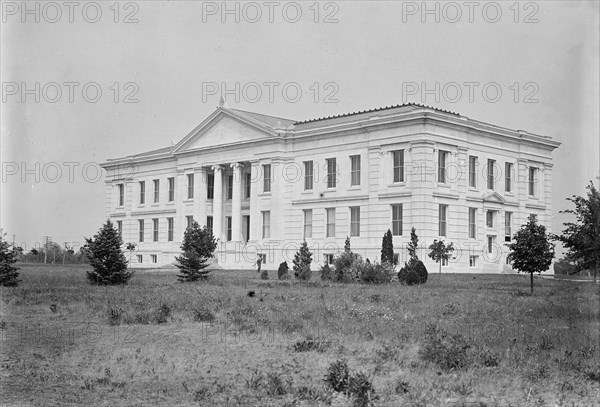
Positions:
{"x": 459, "y": 340}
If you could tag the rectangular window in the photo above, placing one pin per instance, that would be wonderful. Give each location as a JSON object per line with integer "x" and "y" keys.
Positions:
{"x": 156, "y": 190}
{"x": 331, "y": 173}
{"x": 170, "y": 227}
{"x": 330, "y": 230}
{"x": 490, "y": 173}
{"x": 444, "y": 262}
{"x": 442, "y": 158}
{"x": 328, "y": 258}
{"x": 267, "y": 178}
{"x": 472, "y": 171}
{"x": 308, "y": 223}
{"x": 248, "y": 185}
{"x": 120, "y": 226}
{"x": 228, "y": 220}
{"x": 188, "y": 221}
{"x": 489, "y": 219}
{"x": 209, "y": 223}
{"x": 397, "y": 219}
{"x": 308, "y": 175}
{"x": 229, "y": 187}
{"x": 472, "y": 224}
{"x": 263, "y": 257}
{"x": 210, "y": 186}
{"x": 355, "y": 221}
{"x": 354, "y": 170}
{"x": 532, "y": 180}
{"x": 507, "y": 226}
{"x": 121, "y": 194}
{"x": 141, "y": 230}
{"x": 508, "y": 169}
{"x": 142, "y": 192}
{"x": 491, "y": 240}
{"x": 140, "y": 258}
{"x": 398, "y": 157}
{"x": 171, "y": 182}
{"x": 472, "y": 261}
{"x": 155, "y": 230}
{"x": 266, "y": 224}
{"x": 443, "y": 213}
{"x": 190, "y": 183}
{"x": 154, "y": 258}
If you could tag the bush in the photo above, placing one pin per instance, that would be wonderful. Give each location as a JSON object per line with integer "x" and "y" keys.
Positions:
{"x": 106, "y": 257}
{"x": 447, "y": 352}
{"x": 361, "y": 388}
{"x": 8, "y": 273}
{"x": 329, "y": 274}
{"x": 305, "y": 274}
{"x": 282, "y": 270}
{"x": 338, "y": 375}
{"x": 202, "y": 314}
{"x": 302, "y": 260}
{"x": 264, "y": 275}
{"x": 421, "y": 270}
{"x": 376, "y": 273}
{"x": 412, "y": 278}
{"x": 342, "y": 263}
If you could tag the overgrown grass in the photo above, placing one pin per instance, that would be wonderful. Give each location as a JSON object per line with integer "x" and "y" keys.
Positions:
{"x": 457, "y": 340}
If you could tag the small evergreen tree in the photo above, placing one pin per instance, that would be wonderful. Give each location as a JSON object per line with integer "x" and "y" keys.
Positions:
{"x": 440, "y": 251}
{"x": 531, "y": 251}
{"x": 197, "y": 247}
{"x": 109, "y": 265}
{"x": 387, "y": 248}
{"x": 412, "y": 247}
{"x": 347, "y": 245}
{"x": 8, "y": 256}
{"x": 302, "y": 260}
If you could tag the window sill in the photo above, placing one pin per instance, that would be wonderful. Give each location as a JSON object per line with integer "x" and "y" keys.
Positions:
{"x": 307, "y": 192}
{"x": 355, "y": 188}
{"x": 189, "y": 200}
{"x": 397, "y": 184}
{"x": 264, "y": 194}
{"x": 443, "y": 185}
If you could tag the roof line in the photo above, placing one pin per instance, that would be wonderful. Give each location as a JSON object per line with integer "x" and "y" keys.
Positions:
{"x": 375, "y": 110}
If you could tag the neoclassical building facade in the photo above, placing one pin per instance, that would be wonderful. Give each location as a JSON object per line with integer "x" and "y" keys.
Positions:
{"x": 264, "y": 184}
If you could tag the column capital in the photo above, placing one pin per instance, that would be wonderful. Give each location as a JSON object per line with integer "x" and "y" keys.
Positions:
{"x": 235, "y": 166}
{"x": 216, "y": 167}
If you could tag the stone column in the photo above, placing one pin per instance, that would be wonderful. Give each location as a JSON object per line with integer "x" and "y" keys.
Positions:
{"x": 218, "y": 203}
{"x": 236, "y": 204}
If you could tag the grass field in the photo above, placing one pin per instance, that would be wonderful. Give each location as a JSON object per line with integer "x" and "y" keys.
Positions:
{"x": 459, "y": 340}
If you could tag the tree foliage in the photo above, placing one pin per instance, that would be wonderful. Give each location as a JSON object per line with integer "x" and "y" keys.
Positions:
{"x": 9, "y": 276}
{"x": 387, "y": 248}
{"x": 197, "y": 247}
{"x": 106, "y": 257}
{"x": 414, "y": 266}
{"x": 531, "y": 250}
{"x": 440, "y": 251}
{"x": 582, "y": 237}
{"x": 347, "y": 245}
{"x": 302, "y": 261}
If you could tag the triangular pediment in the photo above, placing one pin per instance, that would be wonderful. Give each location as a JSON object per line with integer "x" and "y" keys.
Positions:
{"x": 223, "y": 128}
{"x": 494, "y": 197}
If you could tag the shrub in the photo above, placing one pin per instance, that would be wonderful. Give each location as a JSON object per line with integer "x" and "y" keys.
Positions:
{"x": 329, "y": 274}
{"x": 387, "y": 248}
{"x": 447, "y": 352}
{"x": 163, "y": 313}
{"x": 264, "y": 275}
{"x": 198, "y": 246}
{"x": 342, "y": 263}
{"x": 108, "y": 262}
{"x": 282, "y": 270}
{"x": 338, "y": 375}
{"x": 302, "y": 260}
{"x": 412, "y": 278}
{"x": 421, "y": 270}
{"x": 376, "y": 273}
{"x": 361, "y": 388}
{"x": 8, "y": 256}
{"x": 305, "y": 274}
{"x": 203, "y": 315}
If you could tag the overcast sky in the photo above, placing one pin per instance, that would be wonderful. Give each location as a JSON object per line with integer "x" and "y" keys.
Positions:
{"x": 171, "y": 59}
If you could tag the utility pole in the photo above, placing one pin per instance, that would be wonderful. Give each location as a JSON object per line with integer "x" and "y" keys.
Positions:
{"x": 46, "y": 240}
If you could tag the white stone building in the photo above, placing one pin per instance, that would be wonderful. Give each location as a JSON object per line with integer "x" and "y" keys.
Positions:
{"x": 263, "y": 184}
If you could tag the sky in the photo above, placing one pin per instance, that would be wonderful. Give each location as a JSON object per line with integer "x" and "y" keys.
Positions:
{"x": 89, "y": 81}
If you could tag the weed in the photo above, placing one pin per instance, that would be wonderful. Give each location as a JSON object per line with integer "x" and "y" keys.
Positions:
{"x": 163, "y": 314}
{"x": 114, "y": 316}
{"x": 310, "y": 343}
{"x": 338, "y": 375}
{"x": 202, "y": 314}
{"x": 362, "y": 390}
{"x": 447, "y": 352}
{"x": 255, "y": 381}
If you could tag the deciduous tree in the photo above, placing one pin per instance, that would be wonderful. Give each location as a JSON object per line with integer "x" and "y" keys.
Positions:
{"x": 531, "y": 250}
{"x": 440, "y": 251}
